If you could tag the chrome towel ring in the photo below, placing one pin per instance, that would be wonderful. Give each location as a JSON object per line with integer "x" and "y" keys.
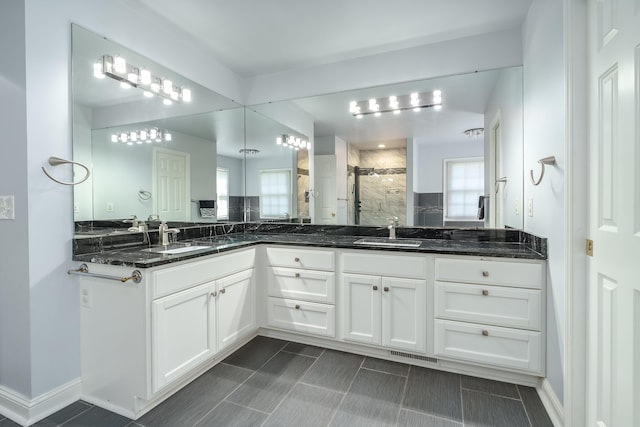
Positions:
{"x": 56, "y": 161}
{"x": 551, "y": 160}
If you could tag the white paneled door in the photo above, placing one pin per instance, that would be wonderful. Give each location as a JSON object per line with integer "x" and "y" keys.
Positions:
{"x": 614, "y": 217}
{"x": 171, "y": 184}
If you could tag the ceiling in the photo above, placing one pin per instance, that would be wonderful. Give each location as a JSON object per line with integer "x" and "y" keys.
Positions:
{"x": 254, "y": 37}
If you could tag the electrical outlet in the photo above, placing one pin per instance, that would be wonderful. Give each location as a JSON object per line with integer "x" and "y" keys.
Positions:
{"x": 109, "y": 206}
{"x": 7, "y": 207}
{"x": 530, "y": 207}
{"x": 86, "y": 298}
{"x": 517, "y": 207}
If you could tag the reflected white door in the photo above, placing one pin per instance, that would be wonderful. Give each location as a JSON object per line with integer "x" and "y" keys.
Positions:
{"x": 326, "y": 199}
{"x": 614, "y": 215}
{"x": 498, "y": 178}
{"x": 171, "y": 184}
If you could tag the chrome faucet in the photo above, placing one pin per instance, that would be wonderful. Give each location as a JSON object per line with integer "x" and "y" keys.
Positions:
{"x": 164, "y": 232}
{"x": 393, "y": 223}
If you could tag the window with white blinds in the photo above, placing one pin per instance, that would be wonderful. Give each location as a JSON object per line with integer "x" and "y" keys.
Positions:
{"x": 463, "y": 185}
{"x": 275, "y": 193}
{"x": 222, "y": 190}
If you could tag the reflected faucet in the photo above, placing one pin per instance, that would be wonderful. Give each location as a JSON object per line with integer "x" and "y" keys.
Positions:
{"x": 393, "y": 223}
{"x": 164, "y": 232}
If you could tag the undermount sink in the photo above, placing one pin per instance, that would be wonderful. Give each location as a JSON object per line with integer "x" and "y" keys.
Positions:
{"x": 179, "y": 250}
{"x": 382, "y": 241}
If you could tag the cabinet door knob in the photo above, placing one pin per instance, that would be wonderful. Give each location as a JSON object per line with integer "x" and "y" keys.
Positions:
{"x": 214, "y": 293}
{"x": 485, "y": 292}
{"x": 296, "y": 259}
{"x": 297, "y": 306}
{"x": 297, "y": 274}
{"x": 375, "y": 288}
{"x": 485, "y": 333}
{"x": 223, "y": 290}
{"x": 485, "y": 274}
{"x": 386, "y": 289}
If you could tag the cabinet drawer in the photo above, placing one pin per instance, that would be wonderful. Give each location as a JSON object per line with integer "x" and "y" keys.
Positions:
{"x": 387, "y": 264}
{"x": 509, "y": 348}
{"x": 298, "y": 316}
{"x": 495, "y": 305}
{"x": 173, "y": 279}
{"x": 300, "y": 284}
{"x": 301, "y": 258}
{"x": 491, "y": 272}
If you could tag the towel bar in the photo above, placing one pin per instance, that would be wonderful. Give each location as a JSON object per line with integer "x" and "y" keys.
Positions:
{"x": 136, "y": 276}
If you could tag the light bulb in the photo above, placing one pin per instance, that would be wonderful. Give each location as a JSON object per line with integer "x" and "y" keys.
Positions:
{"x": 145, "y": 77}
{"x": 415, "y": 99}
{"x": 377, "y": 114}
{"x": 416, "y": 109}
{"x": 167, "y": 86}
{"x": 129, "y": 143}
{"x": 143, "y": 134}
{"x": 124, "y": 137}
{"x": 133, "y": 75}
{"x": 186, "y": 95}
{"x": 396, "y": 112}
{"x": 175, "y": 96}
{"x": 153, "y": 133}
{"x": 155, "y": 84}
{"x": 279, "y": 140}
{"x": 359, "y": 116}
{"x": 352, "y": 106}
{"x": 167, "y": 136}
{"x": 97, "y": 70}
{"x": 437, "y": 92}
{"x": 133, "y": 136}
{"x": 119, "y": 65}
{"x": 167, "y": 102}
{"x": 437, "y": 107}
{"x": 114, "y": 138}
{"x": 148, "y": 94}
{"x": 125, "y": 85}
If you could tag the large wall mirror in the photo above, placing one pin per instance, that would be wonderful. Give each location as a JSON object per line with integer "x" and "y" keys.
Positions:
{"x": 417, "y": 167}
{"x": 148, "y": 158}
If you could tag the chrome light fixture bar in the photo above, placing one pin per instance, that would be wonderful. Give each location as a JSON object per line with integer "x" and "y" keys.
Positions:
{"x": 474, "y": 133}
{"x": 142, "y": 136}
{"x": 129, "y": 76}
{"x": 292, "y": 141}
{"x": 415, "y": 101}
{"x": 249, "y": 151}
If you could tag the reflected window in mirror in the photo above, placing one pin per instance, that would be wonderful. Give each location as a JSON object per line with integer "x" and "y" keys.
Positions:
{"x": 275, "y": 194}
{"x": 463, "y": 188}
{"x": 222, "y": 192}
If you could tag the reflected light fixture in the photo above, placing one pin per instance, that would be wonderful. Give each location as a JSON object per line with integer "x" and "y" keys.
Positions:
{"x": 474, "y": 133}
{"x": 142, "y": 136}
{"x": 249, "y": 151}
{"x": 395, "y": 104}
{"x": 130, "y": 76}
{"x": 293, "y": 142}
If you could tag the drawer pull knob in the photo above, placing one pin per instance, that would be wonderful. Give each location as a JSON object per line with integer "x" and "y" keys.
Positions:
{"x": 485, "y": 274}
{"x": 223, "y": 290}
{"x": 386, "y": 289}
{"x": 297, "y": 274}
{"x": 296, "y": 259}
{"x": 375, "y": 288}
{"x": 485, "y": 333}
{"x": 297, "y": 306}
{"x": 485, "y": 292}
{"x": 214, "y": 293}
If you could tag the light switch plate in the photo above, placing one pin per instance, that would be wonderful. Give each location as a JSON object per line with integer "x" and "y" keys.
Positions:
{"x": 7, "y": 207}
{"x": 530, "y": 207}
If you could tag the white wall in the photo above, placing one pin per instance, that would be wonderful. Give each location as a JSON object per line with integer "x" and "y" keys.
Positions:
{"x": 39, "y": 301}
{"x": 236, "y": 174}
{"x": 428, "y": 162}
{"x": 544, "y": 135}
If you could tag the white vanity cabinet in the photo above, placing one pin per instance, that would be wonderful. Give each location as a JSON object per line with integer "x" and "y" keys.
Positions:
{"x": 301, "y": 290}
{"x": 490, "y": 311}
{"x": 384, "y": 299}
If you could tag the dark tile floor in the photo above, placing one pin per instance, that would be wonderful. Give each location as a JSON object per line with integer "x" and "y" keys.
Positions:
{"x": 274, "y": 383}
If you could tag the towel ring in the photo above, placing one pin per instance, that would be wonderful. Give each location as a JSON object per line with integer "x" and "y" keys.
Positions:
{"x": 56, "y": 161}
{"x": 551, "y": 160}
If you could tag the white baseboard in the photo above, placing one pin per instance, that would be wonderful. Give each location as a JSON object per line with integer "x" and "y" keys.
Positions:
{"x": 25, "y": 411}
{"x": 551, "y": 402}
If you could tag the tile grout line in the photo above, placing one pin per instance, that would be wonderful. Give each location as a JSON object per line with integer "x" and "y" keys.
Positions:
{"x": 461, "y": 401}
{"x": 347, "y": 392}
{"x": 404, "y": 392}
{"x": 524, "y": 406}
{"x": 293, "y": 386}
{"x": 433, "y": 416}
{"x": 239, "y": 385}
{"x": 492, "y": 394}
{"x": 385, "y": 372}
{"x": 77, "y": 415}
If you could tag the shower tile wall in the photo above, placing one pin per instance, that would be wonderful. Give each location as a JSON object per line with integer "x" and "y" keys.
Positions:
{"x": 303, "y": 185}
{"x": 428, "y": 209}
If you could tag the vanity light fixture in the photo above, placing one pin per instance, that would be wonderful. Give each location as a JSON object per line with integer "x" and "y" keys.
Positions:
{"x": 142, "y": 136}
{"x": 293, "y": 142}
{"x": 129, "y": 76}
{"x": 474, "y": 133}
{"x": 249, "y": 151}
{"x": 395, "y": 104}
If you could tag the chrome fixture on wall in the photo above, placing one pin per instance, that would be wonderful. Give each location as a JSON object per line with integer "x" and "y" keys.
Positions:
{"x": 140, "y": 136}
{"x": 129, "y": 76}
{"x": 397, "y": 103}
{"x": 248, "y": 151}
{"x": 551, "y": 161}
{"x": 56, "y": 161}
{"x": 293, "y": 142}
{"x": 475, "y": 133}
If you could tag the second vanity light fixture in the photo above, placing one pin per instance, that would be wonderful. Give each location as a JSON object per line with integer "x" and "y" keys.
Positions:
{"x": 294, "y": 142}
{"x": 141, "y": 136}
{"x": 129, "y": 76}
{"x": 396, "y": 104}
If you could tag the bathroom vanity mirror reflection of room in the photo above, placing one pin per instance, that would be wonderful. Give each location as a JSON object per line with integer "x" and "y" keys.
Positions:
{"x": 418, "y": 166}
{"x": 158, "y": 145}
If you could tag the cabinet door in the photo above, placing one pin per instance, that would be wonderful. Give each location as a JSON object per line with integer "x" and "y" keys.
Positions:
{"x": 404, "y": 306}
{"x": 183, "y": 333}
{"x": 235, "y": 307}
{"x": 361, "y": 308}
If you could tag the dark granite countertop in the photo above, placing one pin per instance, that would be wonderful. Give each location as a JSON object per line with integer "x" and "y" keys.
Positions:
{"x": 139, "y": 255}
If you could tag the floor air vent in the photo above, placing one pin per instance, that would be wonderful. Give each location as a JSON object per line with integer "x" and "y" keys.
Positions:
{"x": 413, "y": 356}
